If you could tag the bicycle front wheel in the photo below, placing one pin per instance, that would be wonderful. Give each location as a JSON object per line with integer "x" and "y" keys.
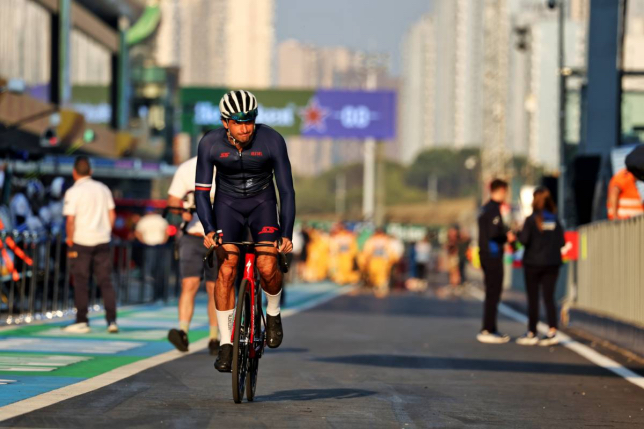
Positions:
{"x": 241, "y": 342}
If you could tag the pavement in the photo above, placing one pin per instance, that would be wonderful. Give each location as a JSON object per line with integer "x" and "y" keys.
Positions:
{"x": 408, "y": 360}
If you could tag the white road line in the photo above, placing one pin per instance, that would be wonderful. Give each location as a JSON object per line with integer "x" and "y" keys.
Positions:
{"x": 581, "y": 349}
{"x": 50, "y": 398}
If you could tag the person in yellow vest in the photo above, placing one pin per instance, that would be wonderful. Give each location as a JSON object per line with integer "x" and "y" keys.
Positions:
{"x": 317, "y": 263}
{"x": 624, "y": 200}
{"x": 378, "y": 258}
{"x": 343, "y": 249}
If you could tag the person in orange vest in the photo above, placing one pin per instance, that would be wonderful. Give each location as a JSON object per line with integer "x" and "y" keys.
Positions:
{"x": 624, "y": 200}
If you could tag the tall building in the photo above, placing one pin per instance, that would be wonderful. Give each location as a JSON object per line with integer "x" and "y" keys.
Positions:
{"x": 459, "y": 30}
{"x": 442, "y": 79}
{"x": 306, "y": 66}
{"x": 217, "y": 42}
{"x": 417, "y": 108}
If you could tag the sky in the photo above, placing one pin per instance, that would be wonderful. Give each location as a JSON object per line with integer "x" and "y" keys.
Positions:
{"x": 370, "y": 25}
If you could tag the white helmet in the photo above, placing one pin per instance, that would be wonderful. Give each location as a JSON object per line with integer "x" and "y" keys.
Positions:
{"x": 240, "y": 106}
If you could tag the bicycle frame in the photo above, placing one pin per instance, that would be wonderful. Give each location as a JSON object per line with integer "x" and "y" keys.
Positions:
{"x": 249, "y": 276}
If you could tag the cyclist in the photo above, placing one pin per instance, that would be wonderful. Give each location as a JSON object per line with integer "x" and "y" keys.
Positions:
{"x": 248, "y": 157}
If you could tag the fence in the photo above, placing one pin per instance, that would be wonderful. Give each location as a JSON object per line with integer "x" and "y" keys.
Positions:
{"x": 610, "y": 276}
{"x": 36, "y": 282}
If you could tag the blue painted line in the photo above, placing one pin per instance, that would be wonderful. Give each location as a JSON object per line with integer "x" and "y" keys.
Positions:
{"x": 24, "y": 386}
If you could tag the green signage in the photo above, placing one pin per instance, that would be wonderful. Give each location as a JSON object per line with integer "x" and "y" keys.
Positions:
{"x": 277, "y": 108}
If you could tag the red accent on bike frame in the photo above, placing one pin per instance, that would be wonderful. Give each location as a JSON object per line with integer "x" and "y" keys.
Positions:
{"x": 249, "y": 271}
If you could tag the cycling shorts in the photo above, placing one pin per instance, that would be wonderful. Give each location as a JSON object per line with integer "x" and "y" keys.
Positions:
{"x": 258, "y": 212}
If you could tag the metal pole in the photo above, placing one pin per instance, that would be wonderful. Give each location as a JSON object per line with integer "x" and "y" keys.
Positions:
{"x": 45, "y": 290}
{"x": 340, "y": 194}
{"x": 57, "y": 262}
{"x": 369, "y": 172}
{"x": 64, "y": 31}
{"x": 562, "y": 115}
{"x": 34, "y": 274}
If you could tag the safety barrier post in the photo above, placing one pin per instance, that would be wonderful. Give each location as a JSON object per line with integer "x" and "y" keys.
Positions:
{"x": 33, "y": 246}
{"x": 45, "y": 288}
{"x": 23, "y": 279}
{"x": 57, "y": 263}
{"x": 65, "y": 305}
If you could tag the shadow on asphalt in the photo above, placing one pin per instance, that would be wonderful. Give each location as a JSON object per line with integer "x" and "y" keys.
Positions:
{"x": 409, "y": 305}
{"x": 314, "y": 395}
{"x": 465, "y": 364}
{"x": 288, "y": 350}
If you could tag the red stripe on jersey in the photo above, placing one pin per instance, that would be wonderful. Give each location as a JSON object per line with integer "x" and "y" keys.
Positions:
{"x": 201, "y": 188}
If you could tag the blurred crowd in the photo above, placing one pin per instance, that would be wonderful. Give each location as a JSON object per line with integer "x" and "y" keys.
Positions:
{"x": 31, "y": 203}
{"x": 361, "y": 254}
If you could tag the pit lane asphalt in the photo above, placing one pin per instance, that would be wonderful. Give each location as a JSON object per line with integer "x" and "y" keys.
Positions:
{"x": 357, "y": 361}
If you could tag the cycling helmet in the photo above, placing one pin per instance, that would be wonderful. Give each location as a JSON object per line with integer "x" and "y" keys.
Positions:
{"x": 240, "y": 106}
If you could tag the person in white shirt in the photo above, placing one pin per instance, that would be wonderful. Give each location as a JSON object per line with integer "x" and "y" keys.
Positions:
{"x": 89, "y": 208}
{"x": 152, "y": 231}
{"x": 191, "y": 254}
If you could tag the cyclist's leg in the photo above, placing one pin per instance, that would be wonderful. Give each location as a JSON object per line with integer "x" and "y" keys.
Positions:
{"x": 264, "y": 227}
{"x": 231, "y": 223}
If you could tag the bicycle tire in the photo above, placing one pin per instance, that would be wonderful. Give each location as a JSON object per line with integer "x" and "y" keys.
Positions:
{"x": 253, "y": 364}
{"x": 240, "y": 351}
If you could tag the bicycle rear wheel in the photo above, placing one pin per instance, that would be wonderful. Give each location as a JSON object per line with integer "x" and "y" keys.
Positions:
{"x": 241, "y": 341}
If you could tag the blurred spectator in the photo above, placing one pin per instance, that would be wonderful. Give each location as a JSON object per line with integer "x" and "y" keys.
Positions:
{"x": 543, "y": 238}
{"x": 152, "y": 231}
{"x": 378, "y": 256}
{"x": 304, "y": 254}
{"x": 422, "y": 257}
{"x": 624, "y": 200}
{"x": 191, "y": 253}
{"x": 89, "y": 208}
{"x": 451, "y": 250}
{"x": 463, "y": 249}
{"x": 399, "y": 269}
{"x": 317, "y": 262}
{"x": 343, "y": 253}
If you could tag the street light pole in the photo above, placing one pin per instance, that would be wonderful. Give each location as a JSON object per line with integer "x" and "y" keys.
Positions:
{"x": 562, "y": 112}
{"x": 369, "y": 172}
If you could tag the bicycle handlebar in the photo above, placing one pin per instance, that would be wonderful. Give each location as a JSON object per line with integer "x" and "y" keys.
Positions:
{"x": 281, "y": 257}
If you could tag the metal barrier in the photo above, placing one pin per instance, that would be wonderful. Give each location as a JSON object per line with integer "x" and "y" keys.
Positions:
{"x": 36, "y": 283}
{"x": 610, "y": 270}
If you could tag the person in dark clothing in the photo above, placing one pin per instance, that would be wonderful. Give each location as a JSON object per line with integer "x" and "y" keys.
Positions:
{"x": 493, "y": 235}
{"x": 463, "y": 247}
{"x": 543, "y": 238}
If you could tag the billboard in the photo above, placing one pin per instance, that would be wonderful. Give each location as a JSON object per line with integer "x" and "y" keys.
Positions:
{"x": 312, "y": 113}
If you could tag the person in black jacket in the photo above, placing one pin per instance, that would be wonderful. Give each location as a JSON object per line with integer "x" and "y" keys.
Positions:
{"x": 543, "y": 238}
{"x": 493, "y": 235}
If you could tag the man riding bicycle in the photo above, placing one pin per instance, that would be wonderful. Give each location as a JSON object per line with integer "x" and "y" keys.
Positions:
{"x": 248, "y": 157}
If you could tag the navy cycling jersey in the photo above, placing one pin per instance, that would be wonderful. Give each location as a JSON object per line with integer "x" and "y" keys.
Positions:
{"x": 244, "y": 174}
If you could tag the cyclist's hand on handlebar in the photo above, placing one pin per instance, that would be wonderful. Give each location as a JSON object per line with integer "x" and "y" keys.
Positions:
{"x": 211, "y": 240}
{"x": 286, "y": 247}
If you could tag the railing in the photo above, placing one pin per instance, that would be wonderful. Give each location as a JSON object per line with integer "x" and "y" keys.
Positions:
{"x": 610, "y": 276}
{"x": 36, "y": 282}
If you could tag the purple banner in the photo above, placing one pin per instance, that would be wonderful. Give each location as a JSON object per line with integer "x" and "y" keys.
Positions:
{"x": 350, "y": 114}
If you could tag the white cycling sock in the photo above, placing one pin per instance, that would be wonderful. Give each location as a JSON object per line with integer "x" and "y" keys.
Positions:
{"x": 273, "y": 303}
{"x": 225, "y": 320}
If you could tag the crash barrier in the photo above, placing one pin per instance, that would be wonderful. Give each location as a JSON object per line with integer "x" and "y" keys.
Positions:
{"x": 36, "y": 282}
{"x": 610, "y": 270}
